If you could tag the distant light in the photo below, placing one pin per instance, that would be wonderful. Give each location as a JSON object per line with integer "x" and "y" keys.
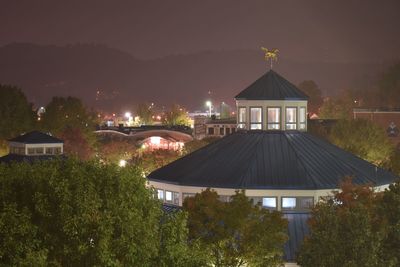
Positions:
{"x": 128, "y": 115}
{"x": 155, "y": 140}
{"x": 208, "y": 103}
{"x": 113, "y": 114}
{"x": 122, "y": 163}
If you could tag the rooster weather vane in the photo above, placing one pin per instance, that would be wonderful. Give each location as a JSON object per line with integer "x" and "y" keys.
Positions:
{"x": 271, "y": 55}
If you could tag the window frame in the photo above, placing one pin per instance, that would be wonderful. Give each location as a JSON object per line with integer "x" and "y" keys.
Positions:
{"x": 303, "y": 124}
{"x": 256, "y": 123}
{"x": 270, "y": 208}
{"x": 242, "y": 124}
{"x": 279, "y": 123}
{"x": 291, "y": 123}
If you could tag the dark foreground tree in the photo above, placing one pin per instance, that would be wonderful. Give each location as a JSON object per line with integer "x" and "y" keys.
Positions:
{"x": 235, "y": 233}
{"x": 16, "y": 113}
{"x": 70, "y": 213}
{"x": 346, "y": 230}
{"x": 314, "y": 93}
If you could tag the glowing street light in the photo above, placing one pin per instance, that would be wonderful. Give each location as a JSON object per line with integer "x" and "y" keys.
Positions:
{"x": 128, "y": 115}
{"x": 122, "y": 163}
{"x": 209, "y": 105}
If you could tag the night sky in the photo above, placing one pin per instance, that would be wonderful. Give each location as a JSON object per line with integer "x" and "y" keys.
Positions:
{"x": 323, "y": 31}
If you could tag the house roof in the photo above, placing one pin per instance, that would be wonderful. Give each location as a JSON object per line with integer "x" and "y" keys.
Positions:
{"x": 270, "y": 160}
{"x": 36, "y": 137}
{"x": 271, "y": 86}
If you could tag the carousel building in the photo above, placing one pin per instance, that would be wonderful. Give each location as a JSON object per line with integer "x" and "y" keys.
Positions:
{"x": 271, "y": 156}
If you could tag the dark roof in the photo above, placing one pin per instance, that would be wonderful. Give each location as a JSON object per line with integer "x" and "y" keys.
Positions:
{"x": 36, "y": 137}
{"x": 271, "y": 86}
{"x": 270, "y": 160}
{"x": 167, "y": 208}
{"x": 297, "y": 230}
{"x": 29, "y": 159}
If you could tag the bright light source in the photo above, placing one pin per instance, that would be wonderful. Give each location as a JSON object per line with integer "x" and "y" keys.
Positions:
{"x": 155, "y": 140}
{"x": 208, "y": 103}
{"x": 122, "y": 163}
{"x": 128, "y": 115}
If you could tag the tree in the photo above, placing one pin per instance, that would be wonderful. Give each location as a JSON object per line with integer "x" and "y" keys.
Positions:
{"x": 67, "y": 118}
{"x": 344, "y": 230}
{"x": 176, "y": 116}
{"x": 225, "y": 111}
{"x": 152, "y": 160}
{"x": 71, "y": 213}
{"x": 314, "y": 93}
{"x": 115, "y": 150}
{"x": 16, "y": 113}
{"x": 389, "y": 212}
{"x": 145, "y": 113}
{"x": 362, "y": 138}
{"x": 76, "y": 144}
{"x": 235, "y": 233}
{"x": 340, "y": 107}
{"x": 389, "y": 87}
{"x": 194, "y": 145}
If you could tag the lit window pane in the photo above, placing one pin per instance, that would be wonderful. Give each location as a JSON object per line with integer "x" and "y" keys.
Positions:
{"x": 168, "y": 196}
{"x": 269, "y": 202}
{"x": 291, "y": 115}
{"x": 242, "y": 114}
{"x": 302, "y": 115}
{"x": 274, "y": 115}
{"x": 288, "y": 203}
{"x": 255, "y": 126}
{"x": 160, "y": 194}
{"x": 273, "y": 126}
{"x": 255, "y": 115}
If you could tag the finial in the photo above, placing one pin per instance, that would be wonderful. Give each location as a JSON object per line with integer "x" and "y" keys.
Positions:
{"x": 270, "y": 54}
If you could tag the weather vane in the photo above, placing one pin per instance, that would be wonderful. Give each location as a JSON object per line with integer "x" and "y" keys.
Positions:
{"x": 270, "y": 54}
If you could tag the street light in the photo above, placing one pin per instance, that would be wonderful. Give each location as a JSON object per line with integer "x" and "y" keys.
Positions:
{"x": 209, "y": 105}
{"x": 128, "y": 115}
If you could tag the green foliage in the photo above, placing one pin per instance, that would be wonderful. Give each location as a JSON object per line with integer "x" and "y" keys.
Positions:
{"x": 364, "y": 139}
{"x": 311, "y": 89}
{"x": 389, "y": 213}
{"x": 112, "y": 151}
{"x": 225, "y": 111}
{"x": 235, "y": 233}
{"x": 68, "y": 119}
{"x": 152, "y": 160}
{"x": 70, "y": 213}
{"x": 145, "y": 113}
{"x": 16, "y": 113}
{"x": 344, "y": 231}
{"x": 176, "y": 116}
{"x": 194, "y": 145}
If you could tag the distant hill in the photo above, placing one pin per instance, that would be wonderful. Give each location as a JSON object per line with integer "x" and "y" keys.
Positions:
{"x": 119, "y": 80}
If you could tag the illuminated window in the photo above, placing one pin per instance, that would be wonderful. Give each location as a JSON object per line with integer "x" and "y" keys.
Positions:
{"x": 289, "y": 203}
{"x": 160, "y": 194}
{"x": 242, "y": 118}
{"x": 168, "y": 196}
{"x": 274, "y": 118}
{"x": 269, "y": 202}
{"x": 291, "y": 118}
{"x": 255, "y": 118}
{"x": 302, "y": 118}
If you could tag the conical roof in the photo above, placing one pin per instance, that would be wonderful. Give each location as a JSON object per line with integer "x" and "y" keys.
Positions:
{"x": 271, "y": 86}
{"x": 270, "y": 160}
{"x": 36, "y": 137}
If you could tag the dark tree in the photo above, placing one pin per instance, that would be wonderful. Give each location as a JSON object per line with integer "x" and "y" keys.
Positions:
{"x": 314, "y": 93}
{"x": 16, "y": 113}
{"x": 145, "y": 113}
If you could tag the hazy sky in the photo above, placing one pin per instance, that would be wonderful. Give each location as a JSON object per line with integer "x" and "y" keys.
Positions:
{"x": 304, "y": 30}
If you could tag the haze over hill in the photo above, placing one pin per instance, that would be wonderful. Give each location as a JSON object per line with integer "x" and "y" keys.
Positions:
{"x": 112, "y": 80}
